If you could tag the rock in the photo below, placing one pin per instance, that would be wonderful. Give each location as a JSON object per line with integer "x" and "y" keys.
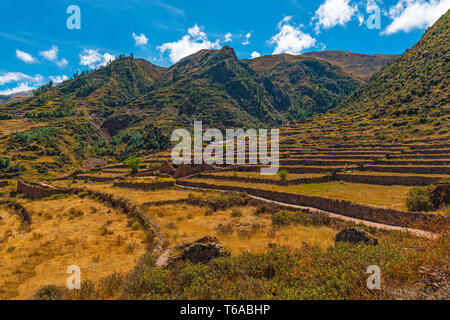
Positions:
{"x": 201, "y": 251}
{"x": 272, "y": 245}
{"x": 355, "y": 235}
{"x": 183, "y": 171}
{"x": 440, "y": 195}
{"x": 166, "y": 168}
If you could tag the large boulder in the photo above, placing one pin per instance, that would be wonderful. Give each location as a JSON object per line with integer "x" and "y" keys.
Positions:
{"x": 183, "y": 171}
{"x": 166, "y": 168}
{"x": 200, "y": 251}
{"x": 355, "y": 235}
{"x": 440, "y": 195}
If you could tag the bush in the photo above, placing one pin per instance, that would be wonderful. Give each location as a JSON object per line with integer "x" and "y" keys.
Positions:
{"x": 418, "y": 199}
{"x": 283, "y": 174}
{"x": 4, "y": 163}
{"x": 134, "y": 163}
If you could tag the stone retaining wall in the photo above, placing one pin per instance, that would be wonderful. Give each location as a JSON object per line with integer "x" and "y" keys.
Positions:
{"x": 382, "y": 215}
{"x": 268, "y": 181}
{"x": 400, "y": 169}
{"x": 23, "y": 213}
{"x": 388, "y": 180}
{"x": 35, "y": 191}
{"x": 146, "y": 186}
{"x": 129, "y": 209}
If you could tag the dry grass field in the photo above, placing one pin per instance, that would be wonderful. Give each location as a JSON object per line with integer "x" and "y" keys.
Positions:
{"x": 383, "y": 196}
{"x": 64, "y": 232}
{"x": 238, "y": 228}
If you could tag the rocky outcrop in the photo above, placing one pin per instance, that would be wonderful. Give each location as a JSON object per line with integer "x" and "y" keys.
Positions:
{"x": 355, "y": 235}
{"x": 201, "y": 251}
{"x": 440, "y": 195}
{"x": 167, "y": 168}
{"x": 183, "y": 171}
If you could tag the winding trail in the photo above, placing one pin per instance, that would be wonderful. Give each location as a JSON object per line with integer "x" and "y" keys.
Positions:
{"x": 416, "y": 232}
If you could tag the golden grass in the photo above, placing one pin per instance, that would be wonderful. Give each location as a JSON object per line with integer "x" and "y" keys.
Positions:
{"x": 140, "y": 197}
{"x": 258, "y": 175}
{"x": 375, "y": 195}
{"x": 183, "y": 223}
{"x": 8, "y": 127}
{"x": 99, "y": 242}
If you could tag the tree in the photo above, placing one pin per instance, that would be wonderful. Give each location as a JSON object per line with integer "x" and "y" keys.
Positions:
{"x": 283, "y": 174}
{"x": 134, "y": 163}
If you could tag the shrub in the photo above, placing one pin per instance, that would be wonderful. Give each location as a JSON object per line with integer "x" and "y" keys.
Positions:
{"x": 236, "y": 213}
{"x": 4, "y": 163}
{"x": 418, "y": 199}
{"x": 283, "y": 174}
{"x": 134, "y": 163}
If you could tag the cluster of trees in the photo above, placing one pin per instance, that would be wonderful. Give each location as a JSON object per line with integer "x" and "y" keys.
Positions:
{"x": 4, "y": 163}
{"x": 43, "y": 89}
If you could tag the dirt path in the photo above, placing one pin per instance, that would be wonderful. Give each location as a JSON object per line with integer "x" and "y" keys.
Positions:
{"x": 416, "y": 232}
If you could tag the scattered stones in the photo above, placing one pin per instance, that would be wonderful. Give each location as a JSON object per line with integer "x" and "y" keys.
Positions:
{"x": 355, "y": 235}
{"x": 272, "y": 245}
{"x": 201, "y": 251}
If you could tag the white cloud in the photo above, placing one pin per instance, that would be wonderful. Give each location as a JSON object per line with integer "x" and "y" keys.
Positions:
{"x": 23, "y": 82}
{"x": 58, "y": 79}
{"x": 332, "y": 13}
{"x": 18, "y": 76}
{"x": 140, "y": 40}
{"x": 255, "y": 54}
{"x": 20, "y": 88}
{"x": 62, "y": 63}
{"x": 246, "y": 42}
{"x": 228, "y": 37}
{"x": 52, "y": 55}
{"x": 408, "y": 15}
{"x": 25, "y": 57}
{"x": 191, "y": 43}
{"x": 93, "y": 59}
{"x": 290, "y": 39}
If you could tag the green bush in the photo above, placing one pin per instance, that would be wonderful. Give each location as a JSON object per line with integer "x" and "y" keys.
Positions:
{"x": 418, "y": 199}
{"x": 283, "y": 174}
{"x": 134, "y": 163}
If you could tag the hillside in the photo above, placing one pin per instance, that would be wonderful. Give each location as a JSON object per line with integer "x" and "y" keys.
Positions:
{"x": 362, "y": 66}
{"x": 15, "y": 96}
{"x": 408, "y": 98}
{"x": 313, "y": 85}
{"x": 215, "y": 87}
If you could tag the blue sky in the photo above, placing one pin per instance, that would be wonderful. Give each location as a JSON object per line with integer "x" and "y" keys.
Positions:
{"x": 36, "y": 44}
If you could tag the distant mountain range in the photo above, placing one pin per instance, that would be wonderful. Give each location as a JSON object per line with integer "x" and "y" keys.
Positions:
{"x": 15, "y": 96}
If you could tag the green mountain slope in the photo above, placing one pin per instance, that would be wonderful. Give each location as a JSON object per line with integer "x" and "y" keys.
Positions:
{"x": 362, "y": 66}
{"x": 215, "y": 87}
{"x": 313, "y": 85}
{"x": 408, "y": 98}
